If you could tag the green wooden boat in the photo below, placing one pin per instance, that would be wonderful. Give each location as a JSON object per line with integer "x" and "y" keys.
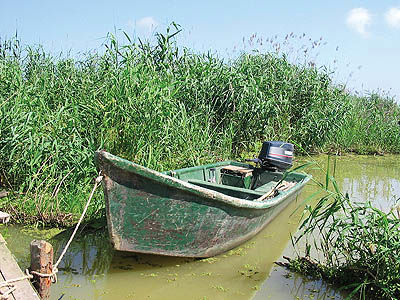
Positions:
{"x": 199, "y": 211}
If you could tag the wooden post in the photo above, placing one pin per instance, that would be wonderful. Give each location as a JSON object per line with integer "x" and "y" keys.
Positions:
{"x": 42, "y": 261}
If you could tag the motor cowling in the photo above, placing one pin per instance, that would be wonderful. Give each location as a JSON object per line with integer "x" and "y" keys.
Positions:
{"x": 276, "y": 155}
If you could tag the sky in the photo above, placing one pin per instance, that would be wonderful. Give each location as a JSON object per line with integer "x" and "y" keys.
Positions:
{"x": 358, "y": 40}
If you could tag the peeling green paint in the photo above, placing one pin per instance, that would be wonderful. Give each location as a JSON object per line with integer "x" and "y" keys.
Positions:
{"x": 152, "y": 212}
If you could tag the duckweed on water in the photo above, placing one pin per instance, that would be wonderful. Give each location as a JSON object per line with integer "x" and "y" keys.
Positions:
{"x": 220, "y": 288}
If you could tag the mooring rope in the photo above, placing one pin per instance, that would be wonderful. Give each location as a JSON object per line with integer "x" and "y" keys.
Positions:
{"x": 10, "y": 281}
{"x": 97, "y": 181}
{"x": 53, "y": 274}
{"x": 6, "y": 294}
{"x": 11, "y": 287}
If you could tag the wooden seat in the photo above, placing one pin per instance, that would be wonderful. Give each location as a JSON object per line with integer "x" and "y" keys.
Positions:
{"x": 235, "y": 169}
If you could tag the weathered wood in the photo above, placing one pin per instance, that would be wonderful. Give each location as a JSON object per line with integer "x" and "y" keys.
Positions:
{"x": 9, "y": 270}
{"x": 269, "y": 194}
{"x": 4, "y": 217}
{"x": 3, "y": 194}
{"x": 284, "y": 186}
{"x": 236, "y": 169}
{"x": 42, "y": 262}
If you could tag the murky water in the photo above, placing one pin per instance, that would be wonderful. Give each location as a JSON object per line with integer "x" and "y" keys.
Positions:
{"x": 92, "y": 270}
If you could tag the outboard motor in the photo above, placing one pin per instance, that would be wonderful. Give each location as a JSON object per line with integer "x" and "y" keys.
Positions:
{"x": 275, "y": 155}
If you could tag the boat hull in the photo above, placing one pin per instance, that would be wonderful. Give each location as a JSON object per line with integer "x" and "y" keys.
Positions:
{"x": 149, "y": 213}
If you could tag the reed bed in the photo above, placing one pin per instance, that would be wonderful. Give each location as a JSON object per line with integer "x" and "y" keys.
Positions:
{"x": 355, "y": 246}
{"x": 164, "y": 107}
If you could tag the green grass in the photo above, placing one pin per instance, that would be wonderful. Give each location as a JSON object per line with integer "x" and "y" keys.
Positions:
{"x": 352, "y": 245}
{"x": 164, "y": 107}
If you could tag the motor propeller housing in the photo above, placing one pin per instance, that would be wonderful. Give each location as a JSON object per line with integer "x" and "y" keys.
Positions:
{"x": 275, "y": 155}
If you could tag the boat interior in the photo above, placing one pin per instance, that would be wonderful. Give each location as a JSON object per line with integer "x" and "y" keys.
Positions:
{"x": 238, "y": 180}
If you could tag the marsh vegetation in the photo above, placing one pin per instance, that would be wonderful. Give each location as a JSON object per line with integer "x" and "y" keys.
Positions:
{"x": 91, "y": 267}
{"x": 352, "y": 244}
{"x": 162, "y": 106}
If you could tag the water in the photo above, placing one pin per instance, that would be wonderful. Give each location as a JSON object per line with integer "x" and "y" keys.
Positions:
{"x": 93, "y": 270}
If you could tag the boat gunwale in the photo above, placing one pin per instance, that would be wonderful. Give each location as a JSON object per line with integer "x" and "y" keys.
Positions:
{"x": 165, "y": 179}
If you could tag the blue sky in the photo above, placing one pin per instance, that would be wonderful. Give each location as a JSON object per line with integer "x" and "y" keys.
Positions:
{"x": 360, "y": 39}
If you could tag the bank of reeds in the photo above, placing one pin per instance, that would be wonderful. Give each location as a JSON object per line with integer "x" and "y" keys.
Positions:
{"x": 164, "y": 107}
{"x": 354, "y": 246}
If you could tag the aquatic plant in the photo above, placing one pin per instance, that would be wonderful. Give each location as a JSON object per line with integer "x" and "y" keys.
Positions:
{"x": 353, "y": 245}
{"x": 165, "y": 107}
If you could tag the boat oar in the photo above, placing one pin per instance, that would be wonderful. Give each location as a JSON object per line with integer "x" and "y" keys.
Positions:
{"x": 270, "y": 193}
{"x": 284, "y": 186}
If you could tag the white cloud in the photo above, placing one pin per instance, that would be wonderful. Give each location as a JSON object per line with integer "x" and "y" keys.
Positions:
{"x": 358, "y": 19}
{"x": 392, "y": 17}
{"x": 146, "y": 23}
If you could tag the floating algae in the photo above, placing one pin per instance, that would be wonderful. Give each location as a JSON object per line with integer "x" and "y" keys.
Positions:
{"x": 93, "y": 270}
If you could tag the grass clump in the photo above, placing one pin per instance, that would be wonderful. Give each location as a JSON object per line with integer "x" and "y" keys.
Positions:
{"x": 372, "y": 126}
{"x": 164, "y": 107}
{"x": 358, "y": 245}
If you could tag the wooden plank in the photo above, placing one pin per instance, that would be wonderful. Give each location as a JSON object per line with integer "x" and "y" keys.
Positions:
{"x": 9, "y": 269}
{"x": 235, "y": 169}
{"x": 238, "y": 169}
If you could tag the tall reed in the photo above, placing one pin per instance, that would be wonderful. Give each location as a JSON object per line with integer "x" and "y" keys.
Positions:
{"x": 164, "y": 107}
{"x": 353, "y": 245}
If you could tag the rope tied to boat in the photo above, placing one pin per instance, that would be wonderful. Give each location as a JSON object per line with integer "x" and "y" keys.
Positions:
{"x": 54, "y": 271}
{"x": 9, "y": 284}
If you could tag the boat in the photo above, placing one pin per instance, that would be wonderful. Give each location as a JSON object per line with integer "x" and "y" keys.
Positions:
{"x": 199, "y": 211}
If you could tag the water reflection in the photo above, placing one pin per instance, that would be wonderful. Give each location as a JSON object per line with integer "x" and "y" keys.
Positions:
{"x": 91, "y": 269}
{"x": 90, "y": 254}
{"x": 283, "y": 284}
{"x": 369, "y": 178}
